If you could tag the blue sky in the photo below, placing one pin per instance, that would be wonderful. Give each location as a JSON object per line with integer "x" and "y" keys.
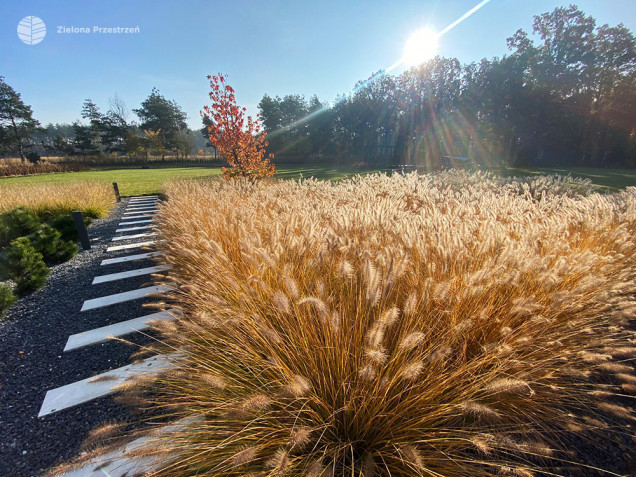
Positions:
{"x": 274, "y": 47}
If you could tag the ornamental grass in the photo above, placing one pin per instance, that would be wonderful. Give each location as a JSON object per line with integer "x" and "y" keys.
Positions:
{"x": 93, "y": 198}
{"x": 439, "y": 325}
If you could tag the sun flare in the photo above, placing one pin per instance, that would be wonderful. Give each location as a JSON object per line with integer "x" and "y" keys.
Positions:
{"x": 421, "y": 46}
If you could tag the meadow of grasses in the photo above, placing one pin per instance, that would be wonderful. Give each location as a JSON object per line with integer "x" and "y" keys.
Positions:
{"x": 94, "y": 198}
{"x": 439, "y": 325}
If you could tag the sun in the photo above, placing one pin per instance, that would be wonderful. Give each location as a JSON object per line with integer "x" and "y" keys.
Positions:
{"x": 421, "y": 46}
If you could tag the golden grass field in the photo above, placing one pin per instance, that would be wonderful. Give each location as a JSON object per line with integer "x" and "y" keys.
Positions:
{"x": 93, "y": 198}
{"x": 442, "y": 325}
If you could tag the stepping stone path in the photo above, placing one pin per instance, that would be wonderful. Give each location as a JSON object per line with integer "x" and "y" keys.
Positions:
{"x": 85, "y": 390}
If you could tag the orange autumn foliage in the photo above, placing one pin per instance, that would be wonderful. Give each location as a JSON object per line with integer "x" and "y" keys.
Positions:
{"x": 241, "y": 145}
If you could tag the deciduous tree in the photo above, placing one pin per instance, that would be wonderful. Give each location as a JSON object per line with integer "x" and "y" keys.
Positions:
{"x": 240, "y": 141}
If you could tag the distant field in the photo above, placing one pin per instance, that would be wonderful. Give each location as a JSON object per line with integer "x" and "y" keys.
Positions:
{"x": 150, "y": 181}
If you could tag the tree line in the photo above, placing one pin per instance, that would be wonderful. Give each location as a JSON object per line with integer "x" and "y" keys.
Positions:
{"x": 565, "y": 95}
{"x": 160, "y": 131}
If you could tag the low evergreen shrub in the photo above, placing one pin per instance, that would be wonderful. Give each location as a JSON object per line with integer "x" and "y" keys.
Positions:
{"x": 24, "y": 265}
{"x": 66, "y": 226}
{"x": 48, "y": 241}
{"x": 7, "y": 299}
{"x": 17, "y": 223}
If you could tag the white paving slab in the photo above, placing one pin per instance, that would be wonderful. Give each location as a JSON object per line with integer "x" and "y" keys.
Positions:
{"x": 133, "y": 236}
{"x": 130, "y": 245}
{"x": 149, "y": 205}
{"x": 138, "y": 197}
{"x": 142, "y": 206}
{"x": 145, "y": 221}
{"x": 133, "y": 210}
{"x": 119, "y": 463}
{"x": 142, "y": 216}
{"x": 123, "y": 297}
{"x": 135, "y": 207}
{"x": 143, "y": 201}
{"x": 139, "y": 212}
{"x": 133, "y": 229}
{"x": 111, "y": 277}
{"x": 130, "y": 258}
{"x": 101, "y": 385}
{"x": 99, "y": 335}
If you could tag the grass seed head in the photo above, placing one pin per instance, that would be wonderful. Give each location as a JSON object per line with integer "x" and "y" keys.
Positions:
{"x": 293, "y": 290}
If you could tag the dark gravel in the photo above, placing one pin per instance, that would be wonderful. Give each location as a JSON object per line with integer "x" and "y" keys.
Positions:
{"x": 32, "y": 338}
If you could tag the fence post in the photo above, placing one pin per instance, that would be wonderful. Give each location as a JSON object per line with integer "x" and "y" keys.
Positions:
{"x": 116, "y": 189}
{"x": 80, "y": 226}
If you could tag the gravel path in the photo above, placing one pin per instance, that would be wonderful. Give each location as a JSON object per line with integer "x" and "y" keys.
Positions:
{"x": 32, "y": 338}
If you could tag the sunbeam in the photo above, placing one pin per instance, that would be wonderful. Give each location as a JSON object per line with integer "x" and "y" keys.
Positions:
{"x": 407, "y": 58}
{"x": 463, "y": 17}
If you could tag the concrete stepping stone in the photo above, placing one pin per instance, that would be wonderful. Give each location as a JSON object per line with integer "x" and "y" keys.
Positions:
{"x": 143, "y": 216}
{"x": 133, "y": 229}
{"x": 130, "y": 258}
{"x": 119, "y": 462}
{"x": 140, "y": 212}
{"x": 137, "y": 197}
{"x": 130, "y": 245}
{"x": 111, "y": 277}
{"x": 145, "y": 221}
{"x": 134, "y": 236}
{"x": 141, "y": 205}
{"x": 103, "y": 384}
{"x": 141, "y": 201}
{"x": 131, "y": 295}
{"x": 104, "y": 333}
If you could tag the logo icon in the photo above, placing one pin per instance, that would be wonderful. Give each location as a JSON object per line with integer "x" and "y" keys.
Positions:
{"x": 31, "y": 30}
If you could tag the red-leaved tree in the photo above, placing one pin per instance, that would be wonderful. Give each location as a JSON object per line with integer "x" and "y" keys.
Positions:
{"x": 241, "y": 145}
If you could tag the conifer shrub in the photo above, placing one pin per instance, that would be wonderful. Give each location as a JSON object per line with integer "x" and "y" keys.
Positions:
{"x": 7, "y": 299}
{"x": 66, "y": 226}
{"x": 24, "y": 265}
{"x": 17, "y": 223}
{"x": 48, "y": 241}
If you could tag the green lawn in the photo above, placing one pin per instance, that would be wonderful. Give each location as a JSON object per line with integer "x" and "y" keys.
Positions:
{"x": 609, "y": 179}
{"x": 129, "y": 181}
{"x": 150, "y": 181}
